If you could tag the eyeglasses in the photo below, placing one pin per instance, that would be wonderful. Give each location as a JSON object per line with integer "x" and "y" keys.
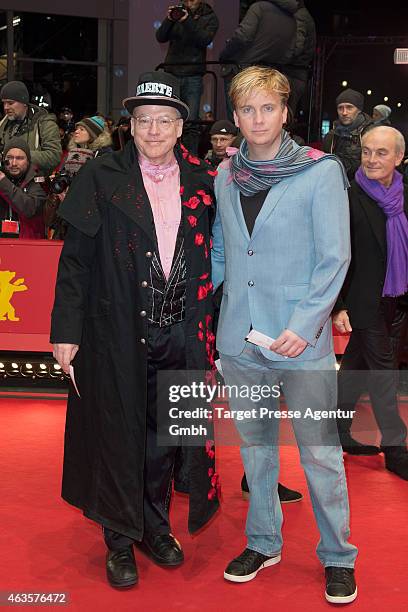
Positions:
{"x": 144, "y": 121}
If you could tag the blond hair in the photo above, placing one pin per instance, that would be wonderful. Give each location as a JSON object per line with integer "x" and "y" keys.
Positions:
{"x": 256, "y": 77}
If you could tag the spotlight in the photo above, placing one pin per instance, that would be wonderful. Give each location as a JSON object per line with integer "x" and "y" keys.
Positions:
{"x": 385, "y": 98}
{"x": 14, "y": 366}
{"x": 29, "y": 366}
{"x": 369, "y": 92}
{"x": 344, "y": 83}
{"x": 399, "y": 104}
{"x": 57, "y": 366}
{"x": 43, "y": 366}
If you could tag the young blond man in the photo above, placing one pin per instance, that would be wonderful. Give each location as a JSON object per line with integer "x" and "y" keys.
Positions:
{"x": 281, "y": 246}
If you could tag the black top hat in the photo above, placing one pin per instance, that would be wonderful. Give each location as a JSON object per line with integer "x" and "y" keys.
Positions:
{"x": 159, "y": 88}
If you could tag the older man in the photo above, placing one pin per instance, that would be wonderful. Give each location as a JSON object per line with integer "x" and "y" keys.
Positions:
{"x": 369, "y": 305}
{"x": 32, "y": 123}
{"x": 344, "y": 140}
{"x": 132, "y": 293}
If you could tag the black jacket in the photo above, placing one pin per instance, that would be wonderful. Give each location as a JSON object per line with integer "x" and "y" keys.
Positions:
{"x": 362, "y": 290}
{"x": 347, "y": 147}
{"x": 26, "y": 198}
{"x": 264, "y": 35}
{"x": 189, "y": 40}
{"x": 99, "y": 302}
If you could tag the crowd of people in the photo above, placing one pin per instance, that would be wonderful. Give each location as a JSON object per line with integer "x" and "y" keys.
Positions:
{"x": 151, "y": 231}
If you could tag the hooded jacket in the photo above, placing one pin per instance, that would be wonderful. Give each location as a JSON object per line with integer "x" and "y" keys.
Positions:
{"x": 40, "y": 130}
{"x": 264, "y": 35}
{"x": 189, "y": 40}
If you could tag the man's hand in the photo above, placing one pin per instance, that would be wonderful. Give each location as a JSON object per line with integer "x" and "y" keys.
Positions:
{"x": 288, "y": 344}
{"x": 64, "y": 354}
{"x": 342, "y": 322}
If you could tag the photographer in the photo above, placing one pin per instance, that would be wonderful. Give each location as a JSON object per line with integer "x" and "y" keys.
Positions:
{"x": 189, "y": 28}
{"x": 21, "y": 195}
{"x": 90, "y": 139}
{"x": 35, "y": 125}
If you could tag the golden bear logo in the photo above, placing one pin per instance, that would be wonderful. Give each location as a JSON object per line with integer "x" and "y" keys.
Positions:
{"x": 7, "y": 289}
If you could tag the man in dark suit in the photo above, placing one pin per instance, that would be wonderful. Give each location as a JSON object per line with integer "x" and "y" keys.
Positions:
{"x": 369, "y": 305}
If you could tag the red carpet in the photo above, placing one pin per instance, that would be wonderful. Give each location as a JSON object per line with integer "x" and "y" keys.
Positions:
{"x": 48, "y": 546}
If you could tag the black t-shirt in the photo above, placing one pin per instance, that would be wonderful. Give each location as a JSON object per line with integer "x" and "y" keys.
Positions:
{"x": 251, "y": 206}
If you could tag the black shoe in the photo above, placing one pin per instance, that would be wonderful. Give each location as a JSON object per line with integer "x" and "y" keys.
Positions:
{"x": 340, "y": 585}
{"x": 286, "y": 496}
{"x": 163, "y": 549}
{"x": 245, "y": 567}
{"x": 353, "y": 447}
{"x": 396, "y": 460}
{"x": 121, "y": 570}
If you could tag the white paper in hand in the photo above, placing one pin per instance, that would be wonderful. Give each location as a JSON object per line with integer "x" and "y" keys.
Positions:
{"x": 260, "y": 339}
{"x": 72, "y": 376}
{"x": 218, "y": 366}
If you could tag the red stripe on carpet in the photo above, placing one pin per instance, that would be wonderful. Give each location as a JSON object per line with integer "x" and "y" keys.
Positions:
{"x": 48, "y": 546}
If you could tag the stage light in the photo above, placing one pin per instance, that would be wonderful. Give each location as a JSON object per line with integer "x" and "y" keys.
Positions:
{"x": 344, "y": 83}
{"x": 399, "y": 104}
{"x": 57, "y": 366}
{"x": 385, "y": 98}
{"x": 369, "y": 92}
{"x": 1, "y": 365}
{"x": 14, "y": 366}
{"x": 43, "y": 366}
{"x": 29, "y": 366}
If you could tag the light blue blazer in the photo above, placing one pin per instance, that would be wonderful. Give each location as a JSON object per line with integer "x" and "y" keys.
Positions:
{"x": 289, "y": 272}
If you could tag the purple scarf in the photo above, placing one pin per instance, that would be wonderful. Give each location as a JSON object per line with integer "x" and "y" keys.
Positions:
{"x": 391, "y": 200}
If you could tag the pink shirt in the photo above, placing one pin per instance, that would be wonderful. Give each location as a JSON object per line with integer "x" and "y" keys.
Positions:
{"x": 162, "y": 184}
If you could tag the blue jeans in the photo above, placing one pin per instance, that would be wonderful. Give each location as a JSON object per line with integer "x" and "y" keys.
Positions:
{"x": 320, "y": 453}
{"x": 191, "y": 89}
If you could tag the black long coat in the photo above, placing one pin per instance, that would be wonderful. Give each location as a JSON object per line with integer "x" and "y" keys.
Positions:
{"x": 100, "y": 293}
{"x": 362, "y": 290}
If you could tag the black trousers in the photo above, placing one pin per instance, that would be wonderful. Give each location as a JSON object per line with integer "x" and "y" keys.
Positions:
{"x": 370, "y": 363}
{"x": 166, "y": 351}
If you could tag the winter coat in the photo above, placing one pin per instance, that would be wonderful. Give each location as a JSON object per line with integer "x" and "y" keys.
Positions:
{"x": 264, "y": 35}
{"x": 347, "y": 146}
{"x": 40, "y": 130}
{"x": 26, "y": 199}
{"x": 300, "y": 55}
{"x": 100, "y": 302}
{"x": 189, "y": 40}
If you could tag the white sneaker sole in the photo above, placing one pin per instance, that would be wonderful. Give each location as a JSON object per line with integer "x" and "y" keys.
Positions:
{"x": 341, "y": 600}
{"x": 248, "y": 577}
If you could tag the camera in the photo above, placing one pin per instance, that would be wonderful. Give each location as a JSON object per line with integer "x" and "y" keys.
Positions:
{"x": 4, "y": 164}
{"x": 177, "y": 12}
{"x": 60, "y": 182}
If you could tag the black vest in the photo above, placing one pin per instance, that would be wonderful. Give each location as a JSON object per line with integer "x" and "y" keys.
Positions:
{"x": 168, "y": 296}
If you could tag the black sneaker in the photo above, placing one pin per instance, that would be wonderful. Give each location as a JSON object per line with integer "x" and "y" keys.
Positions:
{"x": 340, "y": 585}
{"x": 245, "y": 567}
{"x": 286, "y": 496}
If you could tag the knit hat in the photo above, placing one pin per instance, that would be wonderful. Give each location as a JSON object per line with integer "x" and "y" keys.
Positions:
{"x": 383, "y": 109}
{"x": 17, "y": 143}
{"x": 16, "y": 91}
{"x": 350, "y": 96}
{"x": 94, "y": 125}
{"x": 158, "y": 88}
{"x": 223, "y": 127}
